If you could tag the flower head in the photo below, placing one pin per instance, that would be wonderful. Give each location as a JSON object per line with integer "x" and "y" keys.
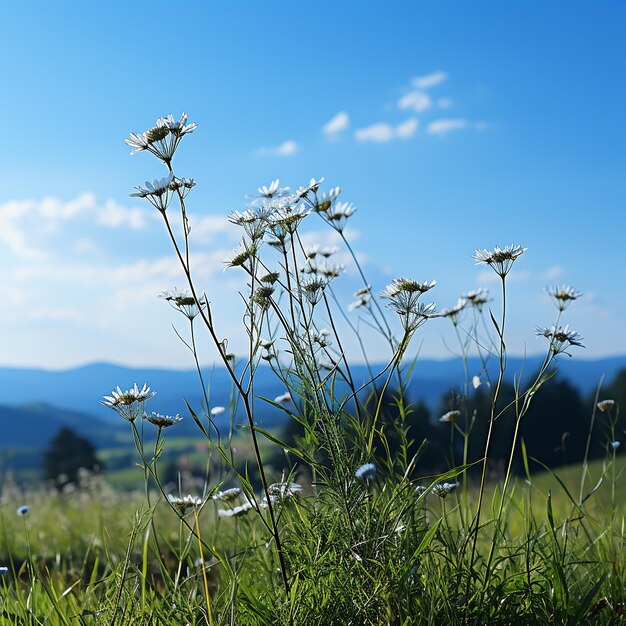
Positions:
{"x": 182, "y": 504}
{"x": 163, "y": 421}
{"x": 366, "y": 472}
{"x": 228, "y": 495}
{"x": 605, "y": 405}
{"x": 337, "y": 214}
{"x": 444, "y": 489}
{"x": 128, "y": 403}
{"x": 162, "y": 139}
{"x": 477, "y": 298}
{"x": 4, "y": 570}
{"x": 279, "y": 492}
{"x": 450, "y": 417}
{"x": 453, "y": 313}
{"x": 21, "y": 511}
{"x": 562, "y": 296}
{"x": 615, "y": 445}
{"x": 561, "y": 338}
{"x": 184, "y": 302}
{"x": 403, "y": 295}
{"x": 283, "y": 398}
{"x": 217, "y": 410}
{"x": 236, "y": 511}
{"x": 158, "y": 192}
{"x": 500, "y": 259}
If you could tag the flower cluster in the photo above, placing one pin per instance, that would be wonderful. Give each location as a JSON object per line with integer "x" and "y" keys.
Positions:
{"x": 163, "y": 138}
{"x": 403, "y": 295}
{"x": 499, "y": 259}
{"x": 279, "y": 492}
{"x": 561, "y": 338}
{"x": 184, "y": 302}
{"x": 184, "y": 503}
{"x": 128, "y": 404}
{"x": 563, "y": 295}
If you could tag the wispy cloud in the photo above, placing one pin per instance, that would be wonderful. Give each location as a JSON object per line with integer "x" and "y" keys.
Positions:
{"x": 286, "y": 148}
{"x": 444, "y": 126}
{"x": 417, "y": 101}
{"x": 553, "y": 272}
{"x": 27, "y": 225}
{"x": 429, "y": 80}
{"x": 383, "y": 132}
{"x": 336, "y": 124}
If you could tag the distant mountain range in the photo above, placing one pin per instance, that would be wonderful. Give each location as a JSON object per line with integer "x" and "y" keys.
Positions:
{"x": 81, "y": 389}
{"x": 35, "y": 404}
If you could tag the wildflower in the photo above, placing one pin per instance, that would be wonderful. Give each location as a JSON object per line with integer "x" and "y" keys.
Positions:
{"x": 477, "y": 298}
{"x": 476, "y": 382}
{"x": 562, "y": 296}
{"x": 328, "y": 252}
{"x": 137, "y": 141}
{"x": 184, "y": 302}
{"x": 444, "y": 489}
{"x": 313, "y": 289}
{"x": 560, "y": 338}
{"x": 182, "y": 504}
{"x": 453, "y": 313}
{"x": 337, "y": 215}
{"x": 286, "y": 218}
{"x": 310, "y": 252}
{"x": 253, "y": 222}
{"x": 279, "y": 492}
{"x": 182, "y": 186}
{"x": 217, "y": 410}
{"x": 262, "y": 296}
{"x": 227, "y": 495}
{"x": 363, "y": 297}
{"x": 313, "y": 186}
{"x": 605, "y": 405}
{"x": 241, "y": 255}
{"x": 157, "y": 192}
{"x": 284, "y": 398}
{"x": 403, "y": 295}
{"x": 366, "y": 472}
{"x": 271, "y": 190}
{"x": 23, "y": 510}
{"x": 321, "y": 338}
{"x": 163, "y": 421}
{"x": 500, "y": 259}
{"x": 615, "y": 445}
{"x": 179, "y": 128}
{"x": 4, "y": 570}
{"x": 242, "y": 509}
{"x": 450, "y": 417}
{"x": 128, "y": 403}
{"x": 163, "y": 139}
{"x": 270, "y": 278}
{"x": 325, "y": 200}
{"x": 420, "y": 490}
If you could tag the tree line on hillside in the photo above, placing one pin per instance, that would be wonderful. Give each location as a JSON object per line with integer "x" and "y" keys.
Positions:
{"x": 555, "y": 430}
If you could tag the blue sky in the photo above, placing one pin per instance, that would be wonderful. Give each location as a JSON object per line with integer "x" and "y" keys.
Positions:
{"x": 456, "y": 126}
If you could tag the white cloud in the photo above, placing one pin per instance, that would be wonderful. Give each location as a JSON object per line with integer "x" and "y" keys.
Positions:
{"x": 429, "y": 80}
{"x": 406, "y": 129}
{"x": 287, "y": 148}
{"x": 443, "y": 126}
{"x": 553, "y": 272}
{"x": 115, "y": 215}
{"x": 444, "y": 103}
{"x": 383, "y": 132}
{"x": 417, "y": 101}
{"x": 336, "y": 124}
{"x": 376, "y": 132}
{"x": 206, "y": 229}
